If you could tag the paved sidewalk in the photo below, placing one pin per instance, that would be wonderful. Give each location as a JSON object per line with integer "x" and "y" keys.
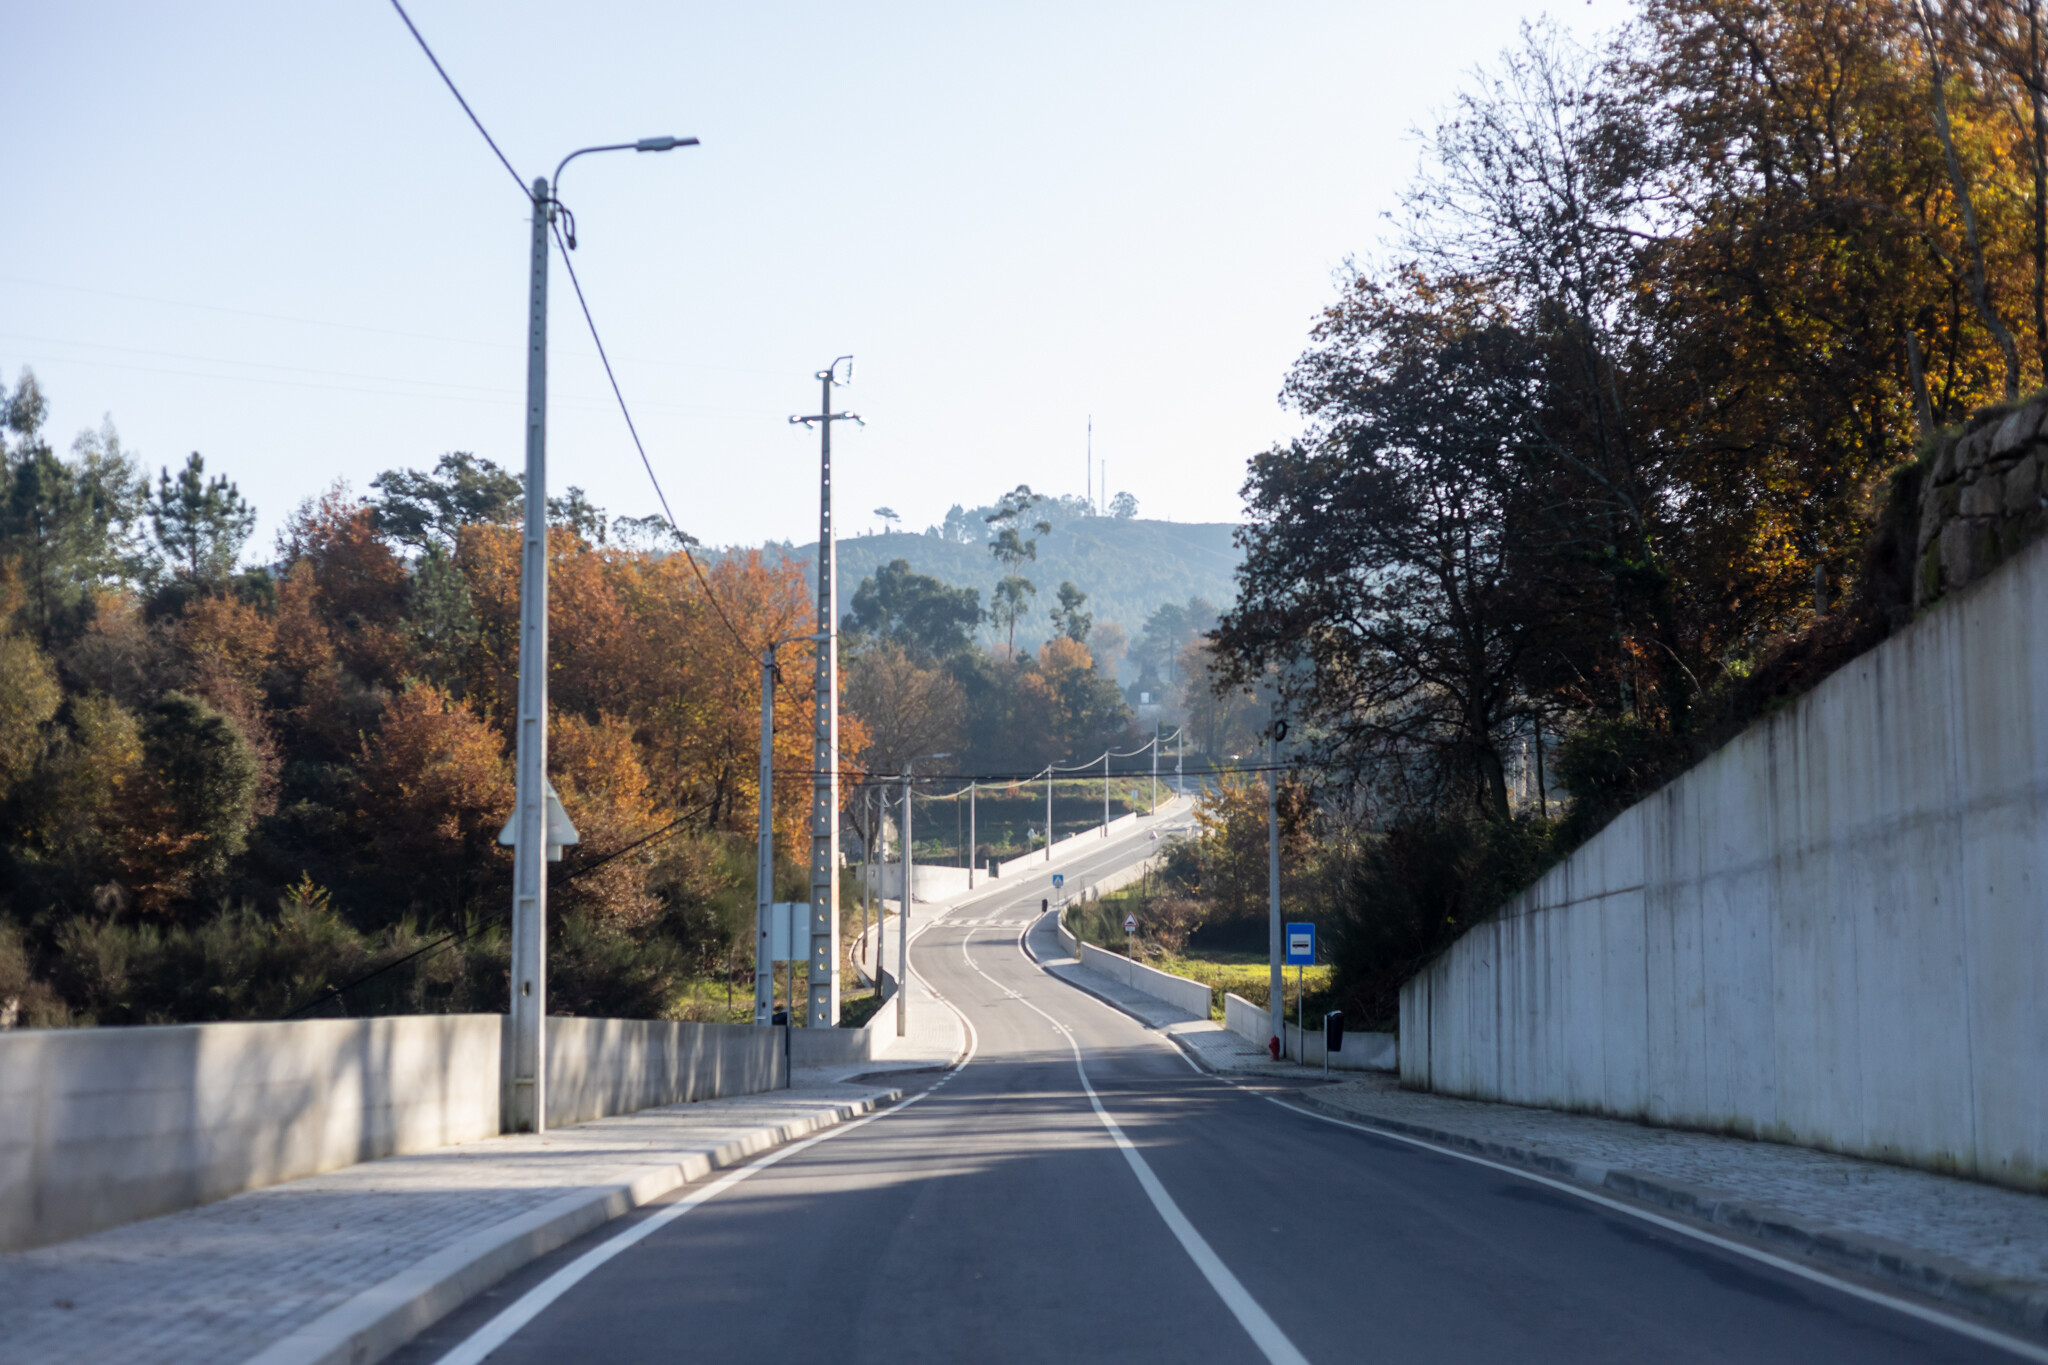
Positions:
{"x": 1980, "y": 1246}
{"x": 935, "y": 1038}
{"x": 314, "y": 1268}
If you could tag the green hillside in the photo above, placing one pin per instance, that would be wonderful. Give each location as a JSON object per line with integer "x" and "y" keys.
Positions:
{"x": 1128, "y": 568}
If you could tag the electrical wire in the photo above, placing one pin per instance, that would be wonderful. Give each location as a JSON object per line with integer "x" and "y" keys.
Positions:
{"x": 450, "y": 83}
{"x": 682, "y": 538}
{"x": 462, "y": 935}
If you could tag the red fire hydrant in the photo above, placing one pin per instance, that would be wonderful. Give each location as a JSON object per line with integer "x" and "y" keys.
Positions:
{"x": 1273, "y": 1046}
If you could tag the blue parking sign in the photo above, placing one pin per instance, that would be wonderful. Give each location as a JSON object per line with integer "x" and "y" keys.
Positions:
{"x": 1301, "y": 945}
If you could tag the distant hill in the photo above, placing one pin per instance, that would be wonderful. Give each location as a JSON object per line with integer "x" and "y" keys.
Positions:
{"x": 1128, "y": 568}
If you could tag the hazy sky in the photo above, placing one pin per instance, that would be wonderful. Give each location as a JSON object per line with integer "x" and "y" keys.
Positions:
{"x": 267, "y": 233}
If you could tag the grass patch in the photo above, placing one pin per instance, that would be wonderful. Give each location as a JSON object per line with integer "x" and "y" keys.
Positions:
{"x": 1243, "y": 974}
{"x": 856, "y": 1010}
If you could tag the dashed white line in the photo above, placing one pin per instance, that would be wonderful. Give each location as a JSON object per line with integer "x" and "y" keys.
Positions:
{"x": 1257, "y": 1323}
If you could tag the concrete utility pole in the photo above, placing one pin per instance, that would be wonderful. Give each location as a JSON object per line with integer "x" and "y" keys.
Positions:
{"x": 1155, "y": 768}
{"x": 764, "y": 852}
{"x": 1275, "y": 933}
{"x": 528, "y": 1100}
{"x": 973, "y": 845}
{"x": 1048, "y": 812}
{"x": 539, "y": 827}
{"x": 824, "y": 1001}
{"x": 903, "y": 920}
{"x": 1105, "y": 793}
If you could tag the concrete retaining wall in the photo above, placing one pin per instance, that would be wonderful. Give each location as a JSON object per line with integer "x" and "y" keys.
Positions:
{"x": 1073, "y": 843}
{"x": 1361, "y": 1051}
{"x": 1177, "y": 991}
{"x": 105, "y": 1126}
{"x": 599, "y": 1067}
{"x": 935, "y": 883}
{"x": 1832, "y": 932}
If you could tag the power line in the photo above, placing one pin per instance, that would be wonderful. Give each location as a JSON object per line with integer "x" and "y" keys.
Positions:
{"x": 632, "y": 430}
{"x": 461, "y": 101}
{"x": 462, "y": 935}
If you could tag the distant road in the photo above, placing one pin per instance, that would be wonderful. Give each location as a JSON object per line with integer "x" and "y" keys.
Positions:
{"x": 1077, "y": 1191}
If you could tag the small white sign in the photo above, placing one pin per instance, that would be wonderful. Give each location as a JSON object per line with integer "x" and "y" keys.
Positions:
{"x": 1130, "y": 924}
{"x": 789, "y": 931}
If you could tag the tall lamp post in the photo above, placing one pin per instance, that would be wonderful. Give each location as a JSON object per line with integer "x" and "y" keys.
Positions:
{"x": 538, "y": 827}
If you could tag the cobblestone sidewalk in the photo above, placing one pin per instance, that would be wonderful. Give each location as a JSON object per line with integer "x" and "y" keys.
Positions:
{"x": 220, "y": 1283}
{"x": 1980, "y": 1245}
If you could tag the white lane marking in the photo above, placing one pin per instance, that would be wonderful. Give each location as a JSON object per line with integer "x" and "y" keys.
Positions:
{"x": 1258, "y": 1325}
{"x": 530, "y": 1305}
{"x": 1989, "y": 1336}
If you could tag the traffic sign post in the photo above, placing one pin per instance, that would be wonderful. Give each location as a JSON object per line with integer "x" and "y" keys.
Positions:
{"x": 1301, "y": 951}
{"x": 1059, "y": 879}
{"x": 1131, "y": 934}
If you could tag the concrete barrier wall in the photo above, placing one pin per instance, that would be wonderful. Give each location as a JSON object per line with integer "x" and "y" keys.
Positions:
{"x": 934, "y": 883}
{"x": 1830, "y": 933}
{"x": 1076, "y": 843}
{"x": 1361, "y": 1051}
{"x": 600, "y": 1067}
{"x": 830, "y": 1046}
{"x": 100, "y": 1127}
{"x": 104, "y": 1126}
{"x": 1177, "y": 991}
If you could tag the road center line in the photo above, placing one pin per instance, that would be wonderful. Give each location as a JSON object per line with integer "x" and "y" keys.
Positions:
{"x": 1257, "y": 1323}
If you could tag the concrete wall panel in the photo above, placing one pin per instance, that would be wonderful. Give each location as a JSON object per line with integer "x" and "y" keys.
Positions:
{"x": 100, "y": 1127}
{"x": 1833, "y": 932}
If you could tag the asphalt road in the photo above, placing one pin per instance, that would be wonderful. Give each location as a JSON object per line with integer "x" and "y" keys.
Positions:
{"x": 1001, "y": 1217}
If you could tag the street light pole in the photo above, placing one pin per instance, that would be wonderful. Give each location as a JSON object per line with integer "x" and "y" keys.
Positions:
{"x": 1048, "y": 812}
{"x": 529, "y": 830}
{"x": 528, "y": 1098}
{"x": 973, "y": 846}
{"x": 1105, "y": 793}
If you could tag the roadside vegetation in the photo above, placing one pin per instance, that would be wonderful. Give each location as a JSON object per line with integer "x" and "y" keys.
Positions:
{"x": 240, "y": 785}
{"x": 1614, "y": 442}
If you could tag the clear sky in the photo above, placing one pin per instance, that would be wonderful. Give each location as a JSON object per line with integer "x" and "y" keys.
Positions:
{"x": 266, "y": 232}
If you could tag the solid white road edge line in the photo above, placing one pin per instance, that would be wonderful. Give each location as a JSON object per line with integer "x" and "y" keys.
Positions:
{"x": 1258, "y": 1325}
{"x": 1990, "y": 1336}
{"x": 472, "y": 1349}
{"x": 2026, "y": 1350}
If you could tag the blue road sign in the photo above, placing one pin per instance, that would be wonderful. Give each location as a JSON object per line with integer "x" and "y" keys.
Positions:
{"x": 1059, "y": 879}
{"x": 1301, "y": 945}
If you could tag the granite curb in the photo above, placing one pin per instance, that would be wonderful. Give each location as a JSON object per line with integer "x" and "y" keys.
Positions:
{"x": 2017, "y": 1303}
{"x": 383, "y": 1318}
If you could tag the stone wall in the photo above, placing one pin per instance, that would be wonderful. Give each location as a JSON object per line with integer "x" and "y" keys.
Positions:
{"x": 1984, "y": 498}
